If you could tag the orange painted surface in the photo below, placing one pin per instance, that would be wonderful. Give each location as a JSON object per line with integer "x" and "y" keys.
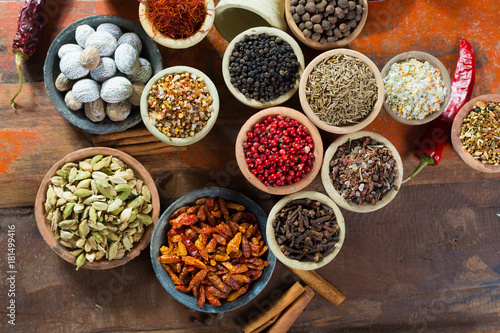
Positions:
{"x": 14, "y": 143}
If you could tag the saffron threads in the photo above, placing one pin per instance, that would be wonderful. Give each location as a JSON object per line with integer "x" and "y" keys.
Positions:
{"x": 177, "y": 19}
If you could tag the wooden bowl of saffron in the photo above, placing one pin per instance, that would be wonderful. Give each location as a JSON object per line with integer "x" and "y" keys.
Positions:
{"x": 189, "y": 38}
{"x": 457, "y": 142}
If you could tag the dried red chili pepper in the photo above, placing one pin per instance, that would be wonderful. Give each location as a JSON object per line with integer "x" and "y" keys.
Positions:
{"x": 29, "y": 28}
{"x": 201, "y": 296}
{"x": 190, "y": 247}
{"x": 196, "y": 281}
{"x": 438, "y": 133}
{"x": 238, "y": 293}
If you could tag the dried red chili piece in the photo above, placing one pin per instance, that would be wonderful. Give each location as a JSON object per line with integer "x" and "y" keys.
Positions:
{"x": 194, "y": 262}
{"x": 29, "y": 29}
{"x": 252, "y": 260}
{"x": 220, "y": 239}
{"x": 241, "y": 278}
{"x": 210, "y": 217}
{"x": 249, "y": 232}
{"x": 223, "y": 207}
{"x": 201, "y": 247}
{"x": 212, "y": 291}
{"x": 177, "y": 231}
{"x": 212, "y": 300}
{"x": 210, "y": 203}
{"x": 173, "y": 276}
{"x": 245, "y": 248}
{"x": 191, "y": 234}
{"x": 178, "y": 212}
{"x": 183, "y": 219}
{"x": 234, "y": 244}
{"x": 231, "y": 283}
{"x": 182, "y": 288}
{"x": 211, "y": 245}
{"x": 216, "y": 214}
{"x": 237, "y": 217}
{"x": 201, "y": 296}
{"x": 196, "y": 281}
{"x": 235, "y": 206}
{"x": 254, "y": 274}
{"x": 185, "y": 275}
{"x": 217, "y": 283}
{"x": 168, "y": 259}
{"x": 255, "y": 249}
{"x": 238, "y": 293}
{"x": 240, "y": 268}
{"x": 202, "y": 214}
{"x": 193, "y": 210}
{"x": 190, "y": 247}
{"x": 225, "y": 231}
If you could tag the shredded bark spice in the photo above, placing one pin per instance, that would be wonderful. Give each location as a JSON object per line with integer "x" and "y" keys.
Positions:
{"x": 178, "y": 19}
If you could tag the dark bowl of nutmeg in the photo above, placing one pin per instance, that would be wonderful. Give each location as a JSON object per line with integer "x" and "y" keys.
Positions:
{"x": 325, "y": 24}
{"x": 305, "y": 230}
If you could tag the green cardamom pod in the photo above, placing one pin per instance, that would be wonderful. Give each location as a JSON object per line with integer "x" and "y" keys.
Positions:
{"x": 118, "y": 211}
{"x": 113, "y": 249}
{"x": 82, "y": 175}
{"x": 97, "y": 236}
{"x": 96, "y": 159}
{"x": 82, "y": 192}
{"x": 146, "y": 193}
{"x": 93, "y": 214}
{"x": 68, "y": 210}
{"x": 114, "y": 205}
{"x": 107, "y": 171}
{"x": 144, "y": 219}
{"x": 76, "y": 253}
{"x": 83, "y": 229}
{"x": 133, "y": 216}
{"x": 80, "y": 260}
{"x": 63, "y": 173}
{"x": 112, "y": 236}
{"x": 137, "y": 202}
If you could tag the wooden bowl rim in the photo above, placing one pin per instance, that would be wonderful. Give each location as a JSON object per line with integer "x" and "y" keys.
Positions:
{"x": 332, "y": 192}
{"x": 317, "y": 150}
{"x": 271, "y": 237}
{"x": 48, "y": 235}
{"x": 341, "y": 129}
{"x": 227, "y": 77}
{"x": 208, "y": 126}
{"x": 172, "y": 43}
{"x": 317, "y": 45}
{"x": 455, "y": 134}
{"x": 419, "y": 55}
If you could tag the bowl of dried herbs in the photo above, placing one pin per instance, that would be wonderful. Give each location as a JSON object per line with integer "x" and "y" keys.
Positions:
{"x": 341, "y": 91}
{"x": 362, "y": 172}
{"x": 475, "y": 133}
{"x": 97, "y": 208}
{"x": 305, "y": 230}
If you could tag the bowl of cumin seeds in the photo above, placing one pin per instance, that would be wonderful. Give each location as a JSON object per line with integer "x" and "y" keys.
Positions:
{"x": 341, "y": 91}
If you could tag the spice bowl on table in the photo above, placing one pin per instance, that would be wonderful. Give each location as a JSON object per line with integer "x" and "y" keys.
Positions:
{"x": 262, "y": 67}
{"x": 330, "y": 92}
{"x": 95, "y": 71}
{"x": 97, "y": 208}
{"x": 305, "y": 230}
{"x": 177, "y": 25}
{"x": 417, "y": 88}
{"x": 475, "y": 133}
{"x": 279, "y": 150}
{"x": 210, "y": 251}
{"x": 362, "y": 172}
{"x": 180, "y": 105}
{"x": 323, "y": 25}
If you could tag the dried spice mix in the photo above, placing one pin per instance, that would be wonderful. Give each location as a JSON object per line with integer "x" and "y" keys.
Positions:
{"x": 363, "y": 171}
{"x": 480, "y": 132}
{"x": 179, "y": 105}
{"x": 306, "y": 230}
{"x": 414, "y": 89}
{"x": 214, "y": 250}
{"x": 341, "y": 90}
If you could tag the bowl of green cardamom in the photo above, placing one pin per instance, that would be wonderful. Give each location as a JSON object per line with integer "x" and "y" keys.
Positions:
{"x": 97, "y": 208}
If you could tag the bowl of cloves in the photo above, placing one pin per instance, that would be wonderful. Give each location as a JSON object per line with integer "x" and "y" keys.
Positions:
{"x": 362, "y": 172}
{"x": 305, "y": 230}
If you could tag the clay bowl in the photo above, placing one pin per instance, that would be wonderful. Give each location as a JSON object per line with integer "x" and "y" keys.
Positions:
{"x": 275, "y": 247}
{"x": 160, "y": 238}
{"x": 340, "y": 129}
{"x": 332, "y": 192}
{"x": 317, "y": 150}
{"x": 190, "y": 139}
{"x": 421, "y": 56}
{"x": 48, "y": 235}
{"x": 51, "y": 71}
{"x": 172, "y": 43}
{"x": 257, "y": 31}
{"x": 317, "y": 45}
{"x": 455, "y": 135}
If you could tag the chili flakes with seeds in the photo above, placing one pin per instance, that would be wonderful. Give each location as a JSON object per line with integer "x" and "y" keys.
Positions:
{"x": 179, "y": 105}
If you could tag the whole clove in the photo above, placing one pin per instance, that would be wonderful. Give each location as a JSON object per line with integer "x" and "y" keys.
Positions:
{"x": 306, "y": 230}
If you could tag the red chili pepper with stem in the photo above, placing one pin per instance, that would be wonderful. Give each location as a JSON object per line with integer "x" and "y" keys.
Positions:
{"x": 29, "y": 28}
{"x": 438, "y": 134}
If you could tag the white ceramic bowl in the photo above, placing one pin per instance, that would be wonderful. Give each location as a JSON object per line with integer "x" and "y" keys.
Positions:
{"x": 257, "y": 31}
{"x": 172, "y": 43}
{"x": 275, "y": 247}
{"x": 190, "y": 139}
{"x": 332, "y": 192}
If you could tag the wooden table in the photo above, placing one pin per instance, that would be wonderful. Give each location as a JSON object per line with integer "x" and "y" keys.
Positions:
{"x": 429, "y": 261}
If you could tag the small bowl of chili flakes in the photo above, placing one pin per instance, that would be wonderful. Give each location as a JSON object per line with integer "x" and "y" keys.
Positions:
{"x": 180, "y": 105}
{"x": 279, "y": 150}
{"x": 210, "y": 250}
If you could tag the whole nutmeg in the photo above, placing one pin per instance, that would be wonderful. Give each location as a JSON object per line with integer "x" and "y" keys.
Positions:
{"x": 71, "y": 102}
{"x": 118, "y": 111}
{"x": 63, "y": 83}
{"x": 316, "y": 19}
{"x": 89, "y": 58}
{"x": 95, "y": 110}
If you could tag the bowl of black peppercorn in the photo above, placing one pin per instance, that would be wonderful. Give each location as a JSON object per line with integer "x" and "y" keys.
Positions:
{"x": 262, "y": 67}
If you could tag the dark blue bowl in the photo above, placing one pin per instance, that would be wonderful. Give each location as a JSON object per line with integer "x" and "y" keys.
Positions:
{"x": 160, "y": 238}
{"x": 51, "y": 71}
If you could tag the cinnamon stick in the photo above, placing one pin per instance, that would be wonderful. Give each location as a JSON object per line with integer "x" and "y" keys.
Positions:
{"x": 267, "y": 324}
{"x": 286, "y": 299}
{"x": 98, "y": 139}
{"x": 131, "y": 141}
{"x": 320, "y": 285}
{"x": 138, "y": 150}
{"x": 288, "y": 317}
